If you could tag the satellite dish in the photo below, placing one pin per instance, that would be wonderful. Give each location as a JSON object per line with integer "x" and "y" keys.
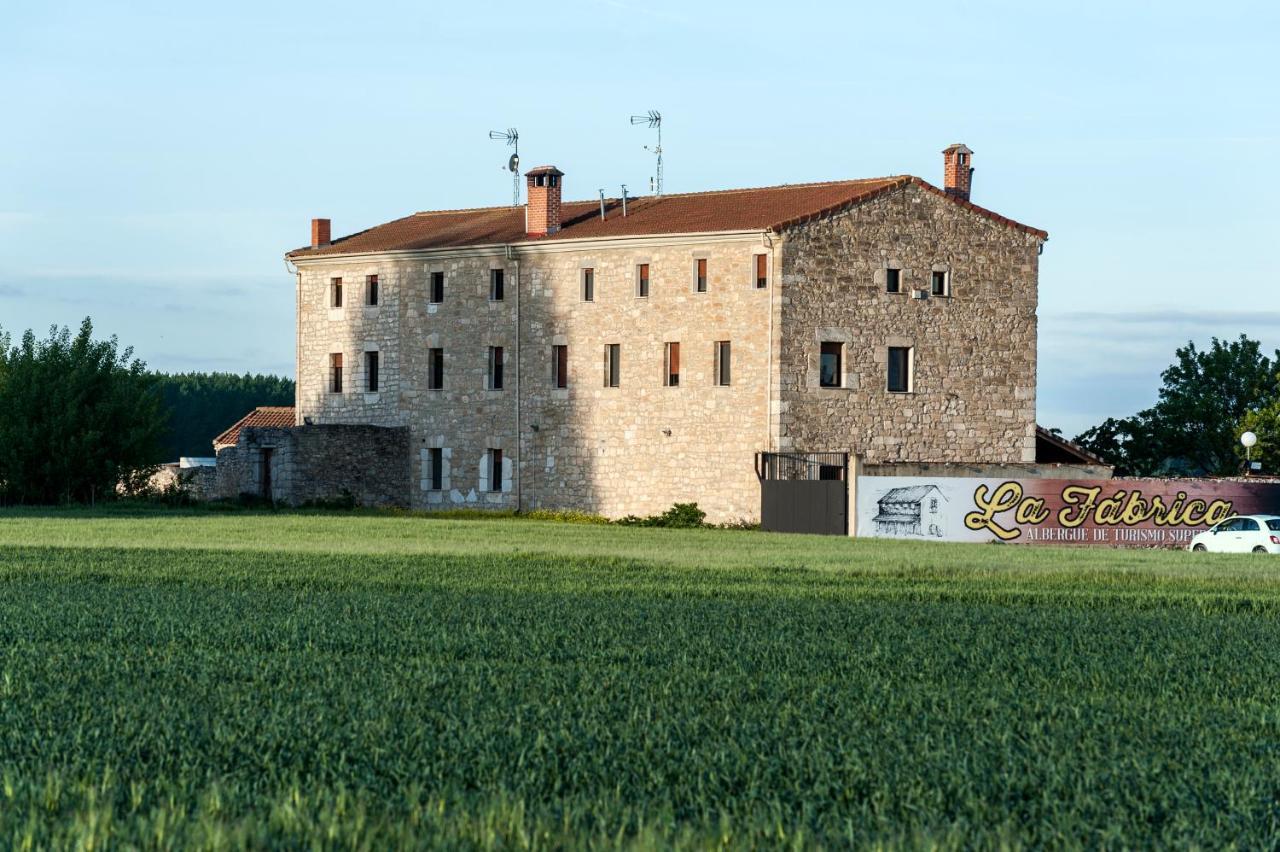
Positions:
{"x": 513, "y": 165}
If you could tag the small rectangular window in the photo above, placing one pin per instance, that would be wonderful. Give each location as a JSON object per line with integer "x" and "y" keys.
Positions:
{"x": 723, "y": 359}
{"x": 671, "y": 370}
{"x": 335, "y": 292}
{"x": 496, "y": 285}
{"x": 435, "y": 473}
{"x": 560, "y": 366}
{"x": 831, "y": 369}
{"x": 941, "y": 283}
{"x": 642, "y": 281}
{"x": 892, "y": 280}
{"x": 335, "y": 373}
{"x": 612, "y": 365}
{"x": 762, "y": 271}
{"x": 437, "y": 288}
{"x": 495, "y": 470}
{"x": 700, "y": 276}
{"x": 495, "y": 368}
{"x": 435, "y": 369}
{"x": 371, "y": 290}
{"x": 371, "y": 372}
{"x": 900, "y": 369}
{"x": 588, "y": 284}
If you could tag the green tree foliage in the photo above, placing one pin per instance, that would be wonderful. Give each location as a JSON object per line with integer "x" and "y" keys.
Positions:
{"x": 1265, "y": 423}
{"x": 1194, "y": 427}
{"x": 76, "y": 416}
{"x": 205, "y": 404}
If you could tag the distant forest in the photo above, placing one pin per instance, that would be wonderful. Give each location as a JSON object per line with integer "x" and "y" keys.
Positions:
{"x": 202, "y": 405}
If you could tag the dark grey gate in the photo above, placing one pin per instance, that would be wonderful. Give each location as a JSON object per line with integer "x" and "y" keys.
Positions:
{"x": 804, "y": 492}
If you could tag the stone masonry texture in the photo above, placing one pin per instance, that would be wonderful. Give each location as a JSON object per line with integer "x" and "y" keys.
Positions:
{"x": 642, "y": 446}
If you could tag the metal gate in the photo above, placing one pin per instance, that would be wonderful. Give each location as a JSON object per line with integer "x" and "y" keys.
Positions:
{"x": 804, "y": 492}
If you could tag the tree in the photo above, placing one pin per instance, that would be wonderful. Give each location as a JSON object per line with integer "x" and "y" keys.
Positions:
{"x": 76, "y": 416}
{"x": 1194, "y": 427}
{"x": 1265, "y": 423}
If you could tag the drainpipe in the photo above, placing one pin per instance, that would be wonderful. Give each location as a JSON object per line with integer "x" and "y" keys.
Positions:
{"x": 775, "y": 296}
{"x": 519, "y": 461}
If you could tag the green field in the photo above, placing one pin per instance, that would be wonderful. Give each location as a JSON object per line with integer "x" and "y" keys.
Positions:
{"x": 346, "y": 680}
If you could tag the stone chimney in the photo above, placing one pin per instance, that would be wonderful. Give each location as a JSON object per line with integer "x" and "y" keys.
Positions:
{"x": 957, "y": 176}
{"x": 542, "y": 213}
{"x": 319, "y": 233}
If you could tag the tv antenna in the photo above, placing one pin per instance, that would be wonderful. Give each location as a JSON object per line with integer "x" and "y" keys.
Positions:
{"x": 653, "y": 119}
{"x": 512, "y": 138}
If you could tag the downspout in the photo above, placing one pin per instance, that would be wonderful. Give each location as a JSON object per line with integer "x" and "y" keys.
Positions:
{"x": 519, "y": 463}
{"x": 774, "y": 295}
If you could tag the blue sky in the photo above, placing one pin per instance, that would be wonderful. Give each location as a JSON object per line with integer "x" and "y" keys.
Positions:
{"x": 157, "y": 159}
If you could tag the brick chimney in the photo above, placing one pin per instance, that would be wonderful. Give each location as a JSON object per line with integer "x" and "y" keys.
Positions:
{"x": 542, "y": 213}
{"x": 957, "y": 176}
{"x": 319, "y": 233}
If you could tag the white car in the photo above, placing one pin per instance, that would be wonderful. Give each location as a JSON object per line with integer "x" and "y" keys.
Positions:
{"x": 1241, "y": 534}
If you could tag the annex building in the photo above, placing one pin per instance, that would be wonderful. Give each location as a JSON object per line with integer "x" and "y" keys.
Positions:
{"x": 622, "y": 355}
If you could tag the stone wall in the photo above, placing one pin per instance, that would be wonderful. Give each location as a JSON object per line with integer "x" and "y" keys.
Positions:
{"x": 318, "y": 463}
{"x": 633, "y": 449}
{"x": 973, "y": 395}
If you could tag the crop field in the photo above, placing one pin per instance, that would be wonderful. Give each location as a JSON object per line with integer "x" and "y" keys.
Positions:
{"x": 240, "y": 679}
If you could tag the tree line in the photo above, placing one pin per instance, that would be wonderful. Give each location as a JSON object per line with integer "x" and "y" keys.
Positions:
{"x": 1208, "y": 398}
{"x": 79, "y": 416}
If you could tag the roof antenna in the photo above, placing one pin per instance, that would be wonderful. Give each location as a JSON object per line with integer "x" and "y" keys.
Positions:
{"x": 512, "y": 138}
{"x": 602, "y": 205}
{"x": 654, "y": 120}
{"x": 624, "y": 200}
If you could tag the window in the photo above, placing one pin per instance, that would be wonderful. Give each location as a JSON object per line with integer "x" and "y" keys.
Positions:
{"x": 893, "y": 280}
{"x": 371, "y": 290}
{"x": 700, "y": 275}
{"x": 762, "y": 271}
{"x": 560, "y": 366}
{"x": 335, "y": 373}
{"x": 933, "y": 505}
{"x": 723, "y": 358}
{"x": 830, "y": 367}
{"x": 1274, "y": 524}
{"x": 612, "y": 364}
{"x": 940, "y": 283}
{"x": 371, "y": 372}
{"x": 900, "y": 368}
{"x": 495, "y": 470}
{"x": 671, "y": 370}
{"x": 496, "y": 285}
{"x": 435, "y": 369}
{"x": 435, "y": 469}
{"x": 642, "y": 281}
{"x": 437, "y": 288}
{"x": 495, "y": 368}
{"x": 335, "y": 292}
{"x": 588, "y": 284}
{"x": 1248, "y": 525}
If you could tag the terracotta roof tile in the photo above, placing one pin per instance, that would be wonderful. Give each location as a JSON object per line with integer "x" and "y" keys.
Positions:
{"x": 265, "y": 416}
{"x": 764, "y": 208}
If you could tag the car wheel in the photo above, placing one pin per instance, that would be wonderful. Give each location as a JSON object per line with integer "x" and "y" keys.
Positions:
{"x": 1199, "y": 548}
{"x": 1259, "y": 549}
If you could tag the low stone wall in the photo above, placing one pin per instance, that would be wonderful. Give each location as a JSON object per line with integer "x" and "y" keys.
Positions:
{"x": 318, "y": 463}
{"x": 199, "y": 482}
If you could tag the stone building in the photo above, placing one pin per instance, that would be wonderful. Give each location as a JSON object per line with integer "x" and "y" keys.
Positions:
{"x": 622, "y": 355}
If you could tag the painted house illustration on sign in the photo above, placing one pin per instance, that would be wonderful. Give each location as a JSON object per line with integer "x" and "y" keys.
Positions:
{"x": 916, "y": 510}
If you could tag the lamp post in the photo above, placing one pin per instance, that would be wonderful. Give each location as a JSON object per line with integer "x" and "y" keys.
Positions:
{"x": 1248, "y": 439}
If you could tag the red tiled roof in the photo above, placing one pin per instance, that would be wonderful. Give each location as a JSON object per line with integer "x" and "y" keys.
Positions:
{"x": 764, "y": 208}
{"x": 270, "y": 416}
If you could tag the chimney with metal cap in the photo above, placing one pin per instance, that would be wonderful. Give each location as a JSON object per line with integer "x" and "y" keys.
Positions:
{"x": 957, "y": 174}
{"x": 542, "y": 212}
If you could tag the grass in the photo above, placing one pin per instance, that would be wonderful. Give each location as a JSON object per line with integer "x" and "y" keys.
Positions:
{"x": 234, "y": 680}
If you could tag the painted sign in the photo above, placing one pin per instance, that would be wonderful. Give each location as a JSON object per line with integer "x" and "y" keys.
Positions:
{"x": 1116, "y": 512}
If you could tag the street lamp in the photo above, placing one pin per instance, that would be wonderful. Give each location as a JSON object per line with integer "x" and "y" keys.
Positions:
{"x": 1248, "y": 439}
